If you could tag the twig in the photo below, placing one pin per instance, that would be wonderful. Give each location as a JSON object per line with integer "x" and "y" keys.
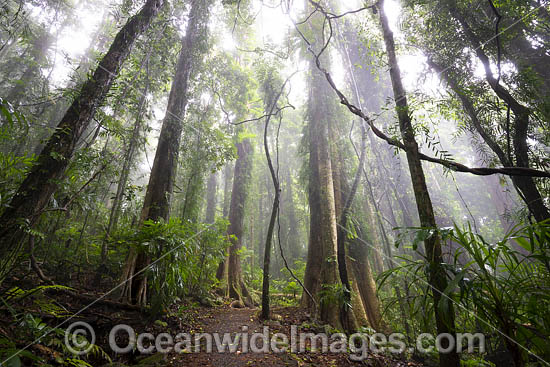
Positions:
{"x": 73, "y": 198}
{"x": 34, "y": 264}
{"x": 269, "y": 115}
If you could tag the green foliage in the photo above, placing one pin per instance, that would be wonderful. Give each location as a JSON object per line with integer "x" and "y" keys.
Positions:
{"x": 334, "y": 295}
{"x": 9, "y": 117}
{"x": 509, "y": 288}
{"x": 12, "y": 171}
{"x": 500, "y": 286}
{"x": 184, "y": 256}
{"x": 13, "y": 355}
{"x": 16, "y": 295}
{"x": 476, "y": 362}
{"x": 251, "y": 274}
{"x": 32, "y": 330}
{"x": 420, "y": 235}
{"x": 13, "y": 166}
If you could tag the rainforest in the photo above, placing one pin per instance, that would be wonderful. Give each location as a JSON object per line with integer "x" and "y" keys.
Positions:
{"x": 275, "y": 183}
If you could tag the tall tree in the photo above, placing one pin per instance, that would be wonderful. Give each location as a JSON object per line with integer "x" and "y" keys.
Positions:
{"x": 228, "y": 171}
{"x": 211, "y": 189}
{"x": 437, "y": 278}
{"x": 227, "y": 181}
{"x": 321, "y": 276}
{"x": 293, "y": 235}
{"x": 158, "y": 196}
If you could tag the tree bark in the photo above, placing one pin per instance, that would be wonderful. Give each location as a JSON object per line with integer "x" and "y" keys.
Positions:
{"x": 227, "y": 180}
{"x": 272, "y": 100}
{"x": 271, "y": 227}
{"x": 261, "y": 234}
{"x": 194, "y": 187}
{"x": 211, "y": 189}
{"x": 322, "y": 263}
{"x": 366, "y": 285}
{"x": 293, "y": 240}
{"x": 344, "y": 196}
{"x": 221, "y": 273}
{"x": 243, "y": 170}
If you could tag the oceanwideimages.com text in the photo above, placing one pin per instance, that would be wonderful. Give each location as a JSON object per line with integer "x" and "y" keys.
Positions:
{"x": 123, "y": 339}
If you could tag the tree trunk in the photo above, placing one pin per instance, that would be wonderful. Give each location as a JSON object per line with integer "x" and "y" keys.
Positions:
{"x": 388, "y": 256}
{"x": 271, "y": 227}
{"x": 322, "y": 265}
{"x": 227, "y": 182}
{"x": 437, "y": 278}
{"x": 157, "y": 200}
{"x": 271, "y": 99}
{"x": 221, "y": 273}
{"x": 366, "y": 285}
{"x": 211, "y": 189}
{"x": 194, "y": 188}
{"x": 293, "y": 239}
{"x": 241, "y": 181}
{"x": 121, "y": 187}
{"x": 261, "y": 221}
{"x": 370, "y": 215}
{"x": 344, "y": 196}
{"x": 124, "y": 174}
{"x": 35, "y": 191}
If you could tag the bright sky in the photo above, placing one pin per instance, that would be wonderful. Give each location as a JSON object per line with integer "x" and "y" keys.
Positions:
{"x": 273, "y": 26}
{"x": 74, "y": 39}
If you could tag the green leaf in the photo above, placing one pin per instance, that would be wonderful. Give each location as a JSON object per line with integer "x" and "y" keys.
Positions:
{"x": 447, "y": 293}
{"x": 14, "y": 362}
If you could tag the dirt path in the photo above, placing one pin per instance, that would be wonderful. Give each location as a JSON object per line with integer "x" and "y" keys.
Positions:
{"x": 229, "y": 320}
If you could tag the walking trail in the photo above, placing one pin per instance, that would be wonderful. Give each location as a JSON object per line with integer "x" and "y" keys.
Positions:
{"x": 230, "y": 320}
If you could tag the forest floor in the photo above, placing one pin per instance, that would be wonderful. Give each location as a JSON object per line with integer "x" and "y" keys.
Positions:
{"x": 229, "y": 320}
{"x": 55, "y": 310}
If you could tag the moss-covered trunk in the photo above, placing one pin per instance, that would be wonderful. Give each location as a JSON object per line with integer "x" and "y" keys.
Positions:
{"x": 322, "y": 265}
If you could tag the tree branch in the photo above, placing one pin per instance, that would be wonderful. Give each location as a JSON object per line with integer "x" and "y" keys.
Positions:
{"x": 454, "y": 166}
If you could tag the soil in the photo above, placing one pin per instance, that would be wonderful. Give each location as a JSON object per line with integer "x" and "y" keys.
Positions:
{"x": 229, "y": 320}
